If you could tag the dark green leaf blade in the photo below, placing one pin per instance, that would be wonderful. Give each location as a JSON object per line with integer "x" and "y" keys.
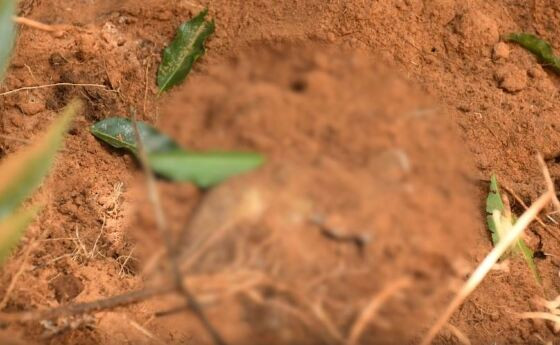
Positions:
{"x": 203, "y": 169}
{"x": 23, "y": 171}
{"x": 7, "y": 33}
{"x": 12, "y": 228}
{"x": 539, "y": 47}
{"x": 119, "y": 132}
{"x": 180, "y": 55}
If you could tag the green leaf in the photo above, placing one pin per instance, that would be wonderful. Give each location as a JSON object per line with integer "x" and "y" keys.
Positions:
{"x": 494, "y": 199}
{"x": 203, "y": 169}
{"x": 527, "y": 254}
{"x": 539, "y": 47}
{"x": 12, "y": 229}
{"x": 167, "y": 159}
{"x": 119, "y": 132}
{"x": 500, "y": 221}
{"x": 494, "y": 203}
{"x": 180, "y": 55}
{"x": 7, "y": 33}
{"x": 23, "y": 171}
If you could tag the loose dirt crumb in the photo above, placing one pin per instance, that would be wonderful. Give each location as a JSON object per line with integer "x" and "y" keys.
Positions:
{"x": 501, "y": 51}
{"x": 66, "y": 287}
{"x": 511, "y": 78}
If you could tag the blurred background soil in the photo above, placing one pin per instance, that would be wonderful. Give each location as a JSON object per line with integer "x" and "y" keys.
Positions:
{"x": 381, "y": 122}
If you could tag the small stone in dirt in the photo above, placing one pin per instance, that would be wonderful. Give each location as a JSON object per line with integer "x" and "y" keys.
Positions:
{"x": 501, "y": 51}
{"x": 477, "y": 31}
{"x": 32, "y": 106}
{"x": 511, "y": 78}
{"x": 56, "y": 60}
{"x": 537, "y": 72}
{"x": 66, "y": 287}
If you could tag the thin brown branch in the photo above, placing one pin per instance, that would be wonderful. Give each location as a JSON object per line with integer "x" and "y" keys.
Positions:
{"x": 54, "y": 85}
{"x": 87, "y": 307}
{"x": 161, "y": 222}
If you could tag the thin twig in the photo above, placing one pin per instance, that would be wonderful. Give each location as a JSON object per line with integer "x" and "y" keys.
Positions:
{"x": 524, "y": 205}
{"x": 463, "y": 339}
{"x": 87, "y": 307}
{"x": 172, "y": 253}
{"x": 38, "y": 25}
{"x": 371, "y": 310}
{"x": 548, "y": 180}
{"x": 16, "y": 276}
{"x": 24, "y": 88}
{"x": 144, "y": 331}
{"x": 146, "y": 87}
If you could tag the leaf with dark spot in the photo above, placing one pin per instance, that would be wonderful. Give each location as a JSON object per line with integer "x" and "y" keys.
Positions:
{"x": 180, "y": 55}
{"x": 119, "y": 132}
{"x": 167, "y": 159}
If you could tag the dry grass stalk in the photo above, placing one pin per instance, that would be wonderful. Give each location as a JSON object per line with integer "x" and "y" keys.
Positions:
{"x": 492, "y": 258}
{"x": 463, "y": 339}
{"x": 38, "y": 25}
{"x": 371, "y": 310}
{"x": 27, "y": 88}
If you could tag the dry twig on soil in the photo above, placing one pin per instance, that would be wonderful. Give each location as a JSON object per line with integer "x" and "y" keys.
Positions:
{"x": 38, "y": 25}
{"x": 26, "y": 88}
{"x": 88, "y": 307}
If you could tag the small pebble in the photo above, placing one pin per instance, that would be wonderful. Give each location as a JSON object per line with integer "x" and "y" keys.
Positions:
{"x": 511, "y": 78}
{"x": 501, "y": 51}
{"x": 32, "y": 106}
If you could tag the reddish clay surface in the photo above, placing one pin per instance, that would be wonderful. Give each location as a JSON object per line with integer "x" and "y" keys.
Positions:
{"x": 381, "y": 122}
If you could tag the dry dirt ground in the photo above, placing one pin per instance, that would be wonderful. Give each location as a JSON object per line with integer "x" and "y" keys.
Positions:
{"x": 381, "y": 122}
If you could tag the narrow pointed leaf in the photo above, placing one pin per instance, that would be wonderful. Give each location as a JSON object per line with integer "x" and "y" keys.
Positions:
{"x": 187, "y": 46}
{"x": 494, "y": 199}
{"x": 539, "y": 47}
{"x": 203, "y": 169}
{"x": 494, "y": 203}
{"x": 500, "y": 221}
{"x": 7, "y": 33}
{"x": 12, "y": 229}
{"x": 23, "y": 171}
{"x": 119, "y": 132}
{"x": 527, "y": 254}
